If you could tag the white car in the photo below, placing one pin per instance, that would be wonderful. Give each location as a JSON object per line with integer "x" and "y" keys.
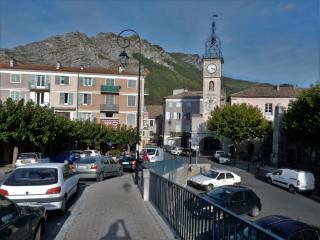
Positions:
{"x": 30, "y": 158}
{"x": 176, "y": 151}
{"x": 91, "y": 152}
{"x": 48, "y": 184}
{"x": 224, "y": 159}
{"x": 294, "y": 180}
{"x": 214, "y": 178}
{"x": 218, "y": 153}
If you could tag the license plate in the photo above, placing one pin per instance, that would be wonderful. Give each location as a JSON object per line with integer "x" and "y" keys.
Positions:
{"x": 125, "y": 163}
{"x": 25, "y": 161}
{"x": 82, "y": 167}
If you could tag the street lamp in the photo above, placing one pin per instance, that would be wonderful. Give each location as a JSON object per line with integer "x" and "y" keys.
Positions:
{"x": 123, "y": 57}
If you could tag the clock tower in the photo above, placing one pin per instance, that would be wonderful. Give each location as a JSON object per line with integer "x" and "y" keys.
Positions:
{"x": 212, "y": 62}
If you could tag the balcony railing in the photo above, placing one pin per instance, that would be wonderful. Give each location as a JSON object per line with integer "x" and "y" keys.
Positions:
{"x": 34, "y": 86}
{"x": 110, "y": 89}
{"x": 109, "y": 108}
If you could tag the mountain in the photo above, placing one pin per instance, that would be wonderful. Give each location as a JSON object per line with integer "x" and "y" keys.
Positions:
{"x": 164, "y": 71}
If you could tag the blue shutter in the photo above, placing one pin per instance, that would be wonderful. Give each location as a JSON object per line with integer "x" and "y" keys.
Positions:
{"x": 66, "y": 80}
{"x": 80, "y": 98}
{"x": 61, "y": 98}
{"x": 57, "y": 80}
{"x": 93, "y": 81}
{"x": 70, "y": 98}
{"x": 33, "y": 82}
{"x": 46, "y": 80}
{"x": 81, "y": 81}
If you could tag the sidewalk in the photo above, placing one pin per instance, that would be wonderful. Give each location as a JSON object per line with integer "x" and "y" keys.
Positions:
{"x": 114, "y": 210}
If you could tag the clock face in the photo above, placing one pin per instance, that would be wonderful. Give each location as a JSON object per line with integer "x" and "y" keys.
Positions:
{"x": 212, "y": 68}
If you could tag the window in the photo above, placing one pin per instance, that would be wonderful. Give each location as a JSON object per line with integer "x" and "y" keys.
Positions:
{"x": 170, "y": 104}
{"x": 186, "y": 116}
{"x": 41, "y": 80}
{"x": 109, "y": 99}
{"x": 40, "y": 98}
{"x": 87, "y": 81}
{"x": 174, "y": 115}
{"x": 221, "y": 176}
{"x": 178, "y": 104}
{"x": 151, "y": 123}
{"x": 15, "y": 95}
{"x": 131, "y": 101}
{"x": 62, "y": 80}
{"x": 229, "y": 175}
{"x": 110, "y": 82}
{"x": 179, "y": 116}
{"x": 168, "y": 115}
{"x": 8, "y": 211}
{"x": 15, "y": 78}
{"x": 86, "y": 116}
{"x": 86, "y": 99}
{"x": 131, "y": 118}
{"x": 66, "y": 98}
{"x": 268, "y": 109}
{"x": 66, "y": 172}
{"x": 132, "y": 83}
{"x": 237, "y": 197}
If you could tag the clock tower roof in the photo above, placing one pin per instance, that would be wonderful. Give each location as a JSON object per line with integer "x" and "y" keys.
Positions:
{"x": 213, "y": 44}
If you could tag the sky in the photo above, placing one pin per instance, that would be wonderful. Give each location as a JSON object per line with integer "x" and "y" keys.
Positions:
{"x": 272, "y": 41}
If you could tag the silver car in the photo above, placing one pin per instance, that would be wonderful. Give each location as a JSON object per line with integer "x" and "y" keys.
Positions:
{"x": 97, "y": 167}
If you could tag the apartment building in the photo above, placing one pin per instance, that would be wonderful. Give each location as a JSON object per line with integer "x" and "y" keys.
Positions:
{"x": 153, "y": 124}
{"x": 97, "y": 94}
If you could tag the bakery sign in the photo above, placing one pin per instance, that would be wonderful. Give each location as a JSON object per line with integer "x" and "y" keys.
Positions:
{"x": 110, "y": 122}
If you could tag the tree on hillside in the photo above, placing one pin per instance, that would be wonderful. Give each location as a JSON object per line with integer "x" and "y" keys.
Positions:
{"x": 238, "y": 122}
{"x": 302, "y": 120}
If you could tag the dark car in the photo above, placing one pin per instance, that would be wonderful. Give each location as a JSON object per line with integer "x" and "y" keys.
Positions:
{"x": 128, "y": 162}
{"x": 287, "y": 228}
{"x": 238, "y": 199}
{"x": 21, "y": 222}
{"x": 187, "y": 152}
{"x": 70, "y": 156}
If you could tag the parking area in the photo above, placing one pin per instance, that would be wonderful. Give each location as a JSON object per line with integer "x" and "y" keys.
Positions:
{"x": 275, "y": 200}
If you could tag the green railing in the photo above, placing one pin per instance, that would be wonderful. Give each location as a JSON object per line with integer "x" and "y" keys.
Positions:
{"x": 110, "y": 89}
{"x": 165, "y": 166}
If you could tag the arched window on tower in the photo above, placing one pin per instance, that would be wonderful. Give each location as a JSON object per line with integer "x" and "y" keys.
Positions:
{"x": 211, "y": 86}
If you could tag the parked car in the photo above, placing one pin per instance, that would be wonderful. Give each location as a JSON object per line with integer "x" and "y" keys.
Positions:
{"x": 167, "y": 148}
{"x": 238, "y": 199}
{"x": 214, "y": 178}
{"x": 70, "y": 156}
{"x": 187, "y": 152}
{"x": 97, "y": 167}
{"x": 218, "y": 153}
{"x": 89, "y": 152}
{"x": 154, "y": 153}
{"x": 31, "y": 157}
{"x": 176, "y": 151}
{"x": 78, "y": 153}
{"x": 128, "y": 162}
{"x": 48, "y": 184}
{"x": 224, "y": 158}
{"x": 286, "y": 228}
{"x": 21, "y": 222}
{"x": 294, "y": 180}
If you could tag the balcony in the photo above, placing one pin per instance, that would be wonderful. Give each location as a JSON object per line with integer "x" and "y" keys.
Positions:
{"x": 109, "y": 108}
{"x": 33, "y": 86}
{"x": 110, "y": 89}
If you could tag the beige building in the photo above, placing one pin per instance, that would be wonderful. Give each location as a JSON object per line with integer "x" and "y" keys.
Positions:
{"x": 98, "y": 94}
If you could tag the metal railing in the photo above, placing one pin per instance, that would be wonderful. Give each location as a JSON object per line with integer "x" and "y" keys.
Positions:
{"x": 109, "y": 107}
{"x": 165, "y": 166}
{"x": 110, "y": 89}
{"x": 194, "y": 218}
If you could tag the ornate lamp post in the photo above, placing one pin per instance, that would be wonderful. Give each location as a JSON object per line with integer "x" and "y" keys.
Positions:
{"x": 123, "y": 57}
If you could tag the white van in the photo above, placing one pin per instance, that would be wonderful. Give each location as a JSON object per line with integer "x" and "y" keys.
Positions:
{"x": 294, "y": 180}
{"x": 154, "y": 153}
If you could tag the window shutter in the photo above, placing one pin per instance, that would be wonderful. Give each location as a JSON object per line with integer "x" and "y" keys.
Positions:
{"x": 89, "y": 99}
{"x": 93, "y": 81}
{"x": 80, "y": 98}
{"x": 70, "y": 98}
{"x": 61, "y": 98}
{"x": 66, "y": 80}
{"x": 94, "y": 116}
{"x": 57, "y": 80}
{"x": 81, "y": 81}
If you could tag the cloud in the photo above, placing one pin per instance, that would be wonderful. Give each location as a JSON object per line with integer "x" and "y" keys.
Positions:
{"x": 288, "y": 7}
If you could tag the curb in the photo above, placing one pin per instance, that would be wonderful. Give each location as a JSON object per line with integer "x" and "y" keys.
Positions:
{"x": 75, "y": 213}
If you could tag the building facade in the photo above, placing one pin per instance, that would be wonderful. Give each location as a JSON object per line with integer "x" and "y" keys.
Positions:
{"x": 152, "y": 131}
{"x": 98, "y": 94}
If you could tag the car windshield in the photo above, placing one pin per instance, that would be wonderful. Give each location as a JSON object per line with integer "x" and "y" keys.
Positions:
{"x": 223, "y": 155}
{"x": 27, "y": 155}
{"x": 32, "y": 177}
{"x": 211, "y": 174}
{"x": 219, "y": 193}
{"x": 87, "y": 160}
{"x": 150, "y": 151}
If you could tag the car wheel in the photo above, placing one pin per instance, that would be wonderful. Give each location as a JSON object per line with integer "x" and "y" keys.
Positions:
{"x": 100, "y": 177}
{"x": 120, "y": 172}
{"x": 255, "y": 211}
{"x": 209, "y": 187}
{"x": 39, "y": 232}
{"x": 63, "y": 209}
{"x": 269, "y": 180}
{"x": 292, "y": 189}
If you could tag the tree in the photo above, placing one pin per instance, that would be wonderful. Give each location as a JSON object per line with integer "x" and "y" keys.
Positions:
{"x": 302, "y": 120}
{"x": 238, "y": 122}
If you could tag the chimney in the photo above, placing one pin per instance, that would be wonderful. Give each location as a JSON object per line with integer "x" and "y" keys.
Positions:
{"x": 58, "y": 65}
{"x": 13, "y": 62}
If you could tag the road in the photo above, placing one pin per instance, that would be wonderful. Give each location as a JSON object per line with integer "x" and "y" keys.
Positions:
{"x": 275, "y": 200}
